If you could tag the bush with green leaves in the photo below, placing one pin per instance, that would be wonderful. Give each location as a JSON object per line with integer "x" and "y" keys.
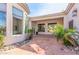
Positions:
{"x": 29, "y": 30}
{"x": 1, "y": 40}
{"x": 58, "y": 31}
{"x": 30, "y": 33}
{"x": 63, "y": 34}
{"x": 66, "y": 39}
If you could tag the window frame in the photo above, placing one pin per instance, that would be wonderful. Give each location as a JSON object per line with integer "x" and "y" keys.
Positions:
{"x": 41, "y": 27}
{"x": 51, "y": 24}
{"x": 74, "y": 13}
{"x": 18, "y": 10}
{"x": 71, "y": 24}
{"x": 21, "y": 19}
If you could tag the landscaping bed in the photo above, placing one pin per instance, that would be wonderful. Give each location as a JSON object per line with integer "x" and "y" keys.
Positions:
{"x": 12, "y": 46}
{"x": 68, "y": 37}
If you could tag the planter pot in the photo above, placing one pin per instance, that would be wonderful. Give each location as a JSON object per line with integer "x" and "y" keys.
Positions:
{"x": 36, "y": 33}
{"x": 30, "y": 36}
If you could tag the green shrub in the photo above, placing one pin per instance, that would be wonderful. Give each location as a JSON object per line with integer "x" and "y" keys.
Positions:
{"x": 70, "y": 31}
{"x": 59, "y": 31}
{"x": 63, "y": 34}
{"x": 30, "y": 31}
{"x": 67, "y": 43}
{"x": 66, "y": 39}
{"x": 67, "y": 34}
{"x": 1, "y": 40}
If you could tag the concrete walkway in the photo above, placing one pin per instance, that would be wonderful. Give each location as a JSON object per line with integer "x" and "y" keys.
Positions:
{"x": 41, "y": 45}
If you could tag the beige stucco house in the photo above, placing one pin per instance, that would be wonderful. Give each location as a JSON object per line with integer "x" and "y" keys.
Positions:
{"x": 12, "y": 19}
{"x": 68, "y": 18}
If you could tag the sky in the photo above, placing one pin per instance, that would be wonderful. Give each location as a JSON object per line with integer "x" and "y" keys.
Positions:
{"x": 38, "y": 9}
{"x": 2, "y": 14}
{"x": 2, "y": 19}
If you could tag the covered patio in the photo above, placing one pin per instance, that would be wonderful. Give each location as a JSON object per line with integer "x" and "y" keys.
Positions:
{"x": 43, "y": 26}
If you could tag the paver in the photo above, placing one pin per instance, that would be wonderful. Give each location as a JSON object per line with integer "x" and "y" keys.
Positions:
{"x": 48, "y": 46}
{"x": 42, "y": 45}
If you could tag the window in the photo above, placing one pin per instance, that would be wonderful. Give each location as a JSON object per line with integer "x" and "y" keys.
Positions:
{"x": 3, "y": 7}
{"x": 50, "y": 26}
{"x": 17, "y": 26}
{"x": 2, "y": 18}
{"x": 17, "y": 21}
{"x": 71, "y": 24}
{"x": 74, "y": 13}
{"x": 17, "y": 13}
{"x": 41, "y": 27}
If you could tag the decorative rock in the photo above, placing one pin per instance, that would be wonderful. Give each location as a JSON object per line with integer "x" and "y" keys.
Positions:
{"x": 72, "y": 50}
{"x": 76, "y": 48}
{"x": 62, "y": 48}
{"x": 18, "y": 44}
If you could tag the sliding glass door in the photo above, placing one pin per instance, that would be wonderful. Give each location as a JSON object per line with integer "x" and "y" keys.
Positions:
{"x": 51, "y": 26}
{"x": 41, "y": 27}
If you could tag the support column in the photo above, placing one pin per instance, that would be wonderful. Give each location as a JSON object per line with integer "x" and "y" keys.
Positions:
{"x": 9, "y": 21}
{"x": 46, "y": 27}
{"x": 24, "y": 23}
{"x": 30, "y": 24}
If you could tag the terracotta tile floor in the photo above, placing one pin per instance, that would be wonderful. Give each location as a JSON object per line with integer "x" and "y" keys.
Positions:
{"x": 42, "y": 45}
{"x": 47, "y": 45}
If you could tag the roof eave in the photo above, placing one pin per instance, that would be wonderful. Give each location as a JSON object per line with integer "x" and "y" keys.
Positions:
{"x": 49, "y": 16}
{"x": 25, "y": 7}
{"x": 69, "y": 7}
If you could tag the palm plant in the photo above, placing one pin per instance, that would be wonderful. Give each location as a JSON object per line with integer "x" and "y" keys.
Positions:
{"x": 63, "y": 34}
{"x": 29, "y": 31}
{"x": 58, "y": 31}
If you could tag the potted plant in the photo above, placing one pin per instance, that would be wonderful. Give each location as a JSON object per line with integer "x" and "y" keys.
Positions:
{"x": 30, "y": 33}
{"x": 36, "y": 32}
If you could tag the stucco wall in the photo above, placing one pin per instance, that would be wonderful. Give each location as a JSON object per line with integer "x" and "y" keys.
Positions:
{"x": 10, "y": 38}
{"x": 69, "y": 17}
